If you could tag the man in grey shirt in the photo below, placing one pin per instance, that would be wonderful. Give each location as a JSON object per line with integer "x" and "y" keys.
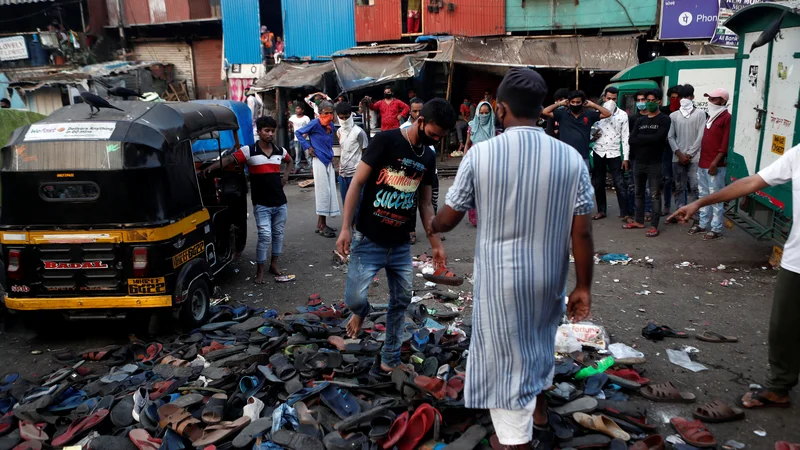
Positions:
{"x": 685, "y": 136}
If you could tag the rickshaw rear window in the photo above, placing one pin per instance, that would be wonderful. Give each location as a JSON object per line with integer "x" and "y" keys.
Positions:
{"x": 69, "y": 191}
{"x": 78, "y": 155}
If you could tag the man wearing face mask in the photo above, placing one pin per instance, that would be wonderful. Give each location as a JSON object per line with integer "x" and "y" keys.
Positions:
{"x": 313, "y": 100}
{"x": 685, "y": 136}
{"x": 640, "y": 109}
{"x": 611, "y": 153}
{"x": 552, "y": 126}
{"x": 395, "y": 168}
{"x": 415, "y": 106}
{"x": 648, "y": 139}
{"x": 575, "y": 123}
{"x": 352, "y": 140}
{"x": 320, "y": 148}
{"x": 712, "y": 164}
{"x": 392, "y": 110}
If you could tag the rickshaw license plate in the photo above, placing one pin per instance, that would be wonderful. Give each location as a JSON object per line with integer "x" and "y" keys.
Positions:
{"x": 141, "y": 286}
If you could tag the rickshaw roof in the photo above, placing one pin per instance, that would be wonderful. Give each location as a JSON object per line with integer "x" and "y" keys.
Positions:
{"x": 154, "y": 124}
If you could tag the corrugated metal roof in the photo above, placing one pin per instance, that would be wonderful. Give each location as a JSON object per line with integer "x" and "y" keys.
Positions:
{"x": 241, "y": 31}
{"x": 385, "y": 49}
{"x": 288, "y": 75}
{"x": 21, "y": 2}
{"x": 314, "y": 29}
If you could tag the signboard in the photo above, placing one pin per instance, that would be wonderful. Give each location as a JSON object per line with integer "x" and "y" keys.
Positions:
{"x": 688, "y": 19}
{"x": 725, "y": 36}
{"x": 70, "y": 131}
{"x": 13, "y": 48}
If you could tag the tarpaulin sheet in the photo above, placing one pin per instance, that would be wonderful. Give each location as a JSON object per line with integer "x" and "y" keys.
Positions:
{"x": 365, "y": 71}
{"x": 245, "y": 130}
{"x": 600, "y": 53}
{"x": 288, "y": 75}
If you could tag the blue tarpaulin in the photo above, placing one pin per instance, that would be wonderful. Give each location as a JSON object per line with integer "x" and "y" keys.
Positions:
{"x": 226, "y": 137}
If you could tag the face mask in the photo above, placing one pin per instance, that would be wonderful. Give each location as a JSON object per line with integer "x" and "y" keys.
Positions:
{"x": 317, "y": 101}
{"x": 576, "y": 108}
{"x": 713, "y": 109}
{"x": 347, "y": 125}
{"x": 652, "y": 106}
{"x": 686, "y": 103}
{"x": 424, "y": 139}
{"x": 674, "y": 104}
{"x": 641, "y": 106}
{"x": 326, "y": 120}
{"x": 483, "y": 118}
{"x": 611, "y": 106}
{"x": 387, "y": 95}
{"x": 466, "y": 103}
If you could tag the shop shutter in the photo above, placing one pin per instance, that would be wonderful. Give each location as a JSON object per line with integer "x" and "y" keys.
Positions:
{"x": 208, "y": 68}
{"x": 178, "y": 54}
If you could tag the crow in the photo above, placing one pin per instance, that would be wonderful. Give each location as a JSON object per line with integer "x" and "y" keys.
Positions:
{"x": 770, "y": 33}
{"x": 96, "y": 102}
{"x": 123, "y": 92}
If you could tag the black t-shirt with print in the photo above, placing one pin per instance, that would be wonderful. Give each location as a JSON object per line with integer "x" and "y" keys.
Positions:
{"x": 389, "y": 204}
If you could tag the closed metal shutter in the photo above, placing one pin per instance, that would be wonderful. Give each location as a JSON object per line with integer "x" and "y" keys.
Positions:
{"x": 208, "y": 69}
{"x": 178, "y": 54}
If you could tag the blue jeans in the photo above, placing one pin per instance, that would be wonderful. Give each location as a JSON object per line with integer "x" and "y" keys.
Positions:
{"x": 270, "y": 222}
{"x": 366, "y": 259}
{"x": 685, "y": 175}
{"x": 708, "y": 184}
{"x": 344, "y": 185}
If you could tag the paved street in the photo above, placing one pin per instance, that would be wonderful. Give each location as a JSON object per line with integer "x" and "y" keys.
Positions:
{"x": 693, "y": 301}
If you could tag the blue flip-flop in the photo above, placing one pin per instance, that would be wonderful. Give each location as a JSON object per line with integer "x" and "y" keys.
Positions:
{"x": 594, "y": 384}
{"x": 69, "y": 400}
{"x": 250, "y": 385}
{"x": 340, "y": 401}
{"x": 304, "y": 393}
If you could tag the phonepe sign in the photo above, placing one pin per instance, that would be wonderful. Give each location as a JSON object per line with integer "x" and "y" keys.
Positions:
{"x": 688, "y": 19}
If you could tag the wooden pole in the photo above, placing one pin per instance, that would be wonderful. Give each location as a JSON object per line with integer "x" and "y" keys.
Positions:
{"x": 444, "y": 142}
{"x": 577, "y": 74}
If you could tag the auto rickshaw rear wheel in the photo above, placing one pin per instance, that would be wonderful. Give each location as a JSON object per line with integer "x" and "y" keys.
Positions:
{"x": 196, "y": 308}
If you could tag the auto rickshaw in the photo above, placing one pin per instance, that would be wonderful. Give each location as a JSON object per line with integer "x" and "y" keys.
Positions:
{"x": 108, "y": 214}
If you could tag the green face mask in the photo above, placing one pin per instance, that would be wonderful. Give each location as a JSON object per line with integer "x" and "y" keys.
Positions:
{"x": 652, "y": 106}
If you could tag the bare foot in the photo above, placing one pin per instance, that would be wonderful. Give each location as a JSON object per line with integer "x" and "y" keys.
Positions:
{"x": 259, "y": 279}
{"x": 273, "y": 269}
{"x": 354, "y": 326}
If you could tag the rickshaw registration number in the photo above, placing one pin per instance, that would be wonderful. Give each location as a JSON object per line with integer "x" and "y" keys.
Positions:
{"x": 146, "y": 286}
{"x": 188, "y": 254}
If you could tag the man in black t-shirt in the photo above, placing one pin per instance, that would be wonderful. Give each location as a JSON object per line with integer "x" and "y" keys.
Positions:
{"x": 394, "y": 168}
{"x": 576, "y": 120}
{"x": 266, "y": 191}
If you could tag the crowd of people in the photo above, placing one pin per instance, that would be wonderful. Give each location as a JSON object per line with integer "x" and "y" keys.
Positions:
{"x": 532, "y": 175}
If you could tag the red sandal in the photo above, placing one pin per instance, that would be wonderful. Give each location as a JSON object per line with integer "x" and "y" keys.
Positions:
{"x": 444, "y": 276}
{"x": 694, "y": 432}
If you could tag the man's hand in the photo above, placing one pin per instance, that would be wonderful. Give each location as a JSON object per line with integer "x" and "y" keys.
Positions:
{"x": 343, "y": 243}
{"x": 712, "y": 169}
{"x": 400, "y": 117}
{"x": 579, "y": 305}
{"x": 311, "y": 152}
{"x": 626, "y": 165}
{"x": 439, "y": 257}
{"x": 684, "y": 213}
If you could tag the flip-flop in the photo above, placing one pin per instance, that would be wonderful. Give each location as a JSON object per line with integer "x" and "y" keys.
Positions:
{"x": 335, "y": 441}
{"x": 582, "y": 405}
{"x": 296, "y": 441}
{"x": 631, "y": 226}
{"x": 252, "y": 431}
{"x": 340, "y": 401}
{"x": 694, "y": 432}
{"x": 33, "y": 431}
{"x": 560, "y": 426}
{"x": 601, "y": 424}
{"x": 143, "y": 441}
{"x": 444, "y": 276}
{"x": 418, "y": 426}
{"x": 711, "y": 336}
{"x": 652, "y": 232}
{"x": 284, "y": 278}
{"x": 652, "y": 442}
{"x": 180, "y": 421}
{"x": 594, "y": 384}
{"x": 785, "y": 445}
{"x": 79, "y": 427}
{"x": 717, "y": 412}
{"x": 381, "y": 425}
{"x": 214, "y": 409}
{"x": 666, "y": 392}
{"x": 669, "y": 332}
{"x": 765, "y": 402}
{"x": 629, "y": 375}
{"x": 221, "y": 431}
{"x": 326, "y": 233}
{"x": 397, "y": 431}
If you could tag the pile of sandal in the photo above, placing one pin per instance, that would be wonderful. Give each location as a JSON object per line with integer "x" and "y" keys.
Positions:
{"x": 261, "y": 380}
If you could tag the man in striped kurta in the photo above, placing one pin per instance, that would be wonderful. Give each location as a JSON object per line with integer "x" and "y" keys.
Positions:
{"x": 533, "y": 194}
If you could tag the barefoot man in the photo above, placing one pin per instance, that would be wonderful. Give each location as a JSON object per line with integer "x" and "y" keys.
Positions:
{"x": 784, "y": 334}
{"x": 394, "y": 168}
{"x": 266, "y": 191}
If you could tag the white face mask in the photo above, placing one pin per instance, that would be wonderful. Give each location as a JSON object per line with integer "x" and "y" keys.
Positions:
{"x": 347, "y": 125}
{"x": 713, "y": 109}
{"x": 611, "y": 106}
{"x": 686, "y": 103}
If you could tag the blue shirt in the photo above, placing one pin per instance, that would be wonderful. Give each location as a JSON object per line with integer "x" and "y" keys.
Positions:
{"x": 321, "y": 140}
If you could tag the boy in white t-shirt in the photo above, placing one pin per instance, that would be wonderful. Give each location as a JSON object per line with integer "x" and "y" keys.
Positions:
{"x": 299, "y": 120}
{"x": 784, "y": 334}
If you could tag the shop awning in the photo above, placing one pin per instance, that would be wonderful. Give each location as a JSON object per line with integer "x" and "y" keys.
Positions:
{"x": 599, "y": 53}
{"x": 358, "y": 72}
{"x": 288, "y": 75}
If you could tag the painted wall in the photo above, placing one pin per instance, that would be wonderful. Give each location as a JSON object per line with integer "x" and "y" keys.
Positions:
{"x": 468, "y": 18}
{"x": 567, "y": 15}
{"x": 332, "y": 28}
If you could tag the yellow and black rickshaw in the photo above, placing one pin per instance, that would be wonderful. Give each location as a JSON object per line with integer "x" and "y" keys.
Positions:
{"x": 106, "y": 215}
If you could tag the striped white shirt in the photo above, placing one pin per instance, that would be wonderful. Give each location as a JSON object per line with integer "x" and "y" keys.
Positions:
{"x": 526, "y": 187}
